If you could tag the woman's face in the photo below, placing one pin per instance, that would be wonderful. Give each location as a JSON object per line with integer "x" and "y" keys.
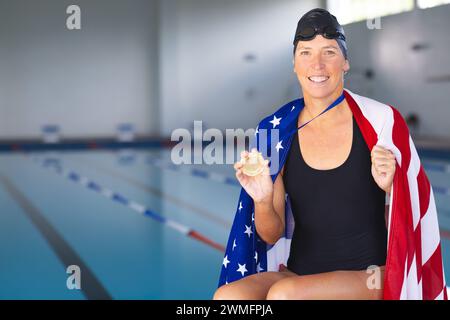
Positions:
{"x": 320, "y": 65}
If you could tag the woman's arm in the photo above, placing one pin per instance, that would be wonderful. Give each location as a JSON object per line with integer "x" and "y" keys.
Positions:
{"x": 269, "y": 214}
{"x": 268, "y": 198}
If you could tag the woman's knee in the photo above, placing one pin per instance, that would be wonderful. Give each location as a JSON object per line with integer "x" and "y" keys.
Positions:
{"x": 231, "y": 292}
{"x": 287, "y": 289}
{"x": 279, "y": 290}
{"x": 222, "y": 293}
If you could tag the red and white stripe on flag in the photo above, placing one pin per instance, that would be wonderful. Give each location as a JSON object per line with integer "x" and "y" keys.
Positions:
{"x": 414, "y": 268}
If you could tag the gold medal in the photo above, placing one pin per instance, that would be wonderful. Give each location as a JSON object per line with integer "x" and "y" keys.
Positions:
{"x": 253, "y": 164}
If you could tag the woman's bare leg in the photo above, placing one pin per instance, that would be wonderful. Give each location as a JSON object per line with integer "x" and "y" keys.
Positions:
{"x": 254, "y": 287}
{"x": 330, "y": 285}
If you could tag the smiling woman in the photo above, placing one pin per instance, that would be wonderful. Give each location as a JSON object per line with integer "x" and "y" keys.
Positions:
{"x": 322, "y": 214}
{"x": 320, "y": 54}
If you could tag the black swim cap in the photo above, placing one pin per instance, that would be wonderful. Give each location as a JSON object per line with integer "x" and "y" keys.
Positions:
{"x": 320, "y": 21}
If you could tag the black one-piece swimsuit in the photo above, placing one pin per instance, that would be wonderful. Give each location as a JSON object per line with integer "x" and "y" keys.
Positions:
{"x": 338, "y": 213}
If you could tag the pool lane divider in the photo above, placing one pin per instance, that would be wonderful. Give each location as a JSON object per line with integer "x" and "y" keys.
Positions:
{"x": 199, "y": 173}
{"x": 179, "y": 202}
{"x": 438, "y": 167}
{"x": 120, "y": 199}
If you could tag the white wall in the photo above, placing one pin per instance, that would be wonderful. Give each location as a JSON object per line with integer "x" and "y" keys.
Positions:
{"x": 203, "y": 72}
{"x": 162, "y": 64}
{"x": 87, "y": 80}
{"x": 401, "y": 74}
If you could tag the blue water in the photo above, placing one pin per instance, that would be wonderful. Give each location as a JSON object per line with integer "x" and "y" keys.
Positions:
{"x": 132, "y": 255}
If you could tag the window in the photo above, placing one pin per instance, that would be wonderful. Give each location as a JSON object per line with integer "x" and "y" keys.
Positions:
{"x": 348, "y": 11}
{"x": 423, "y": 4}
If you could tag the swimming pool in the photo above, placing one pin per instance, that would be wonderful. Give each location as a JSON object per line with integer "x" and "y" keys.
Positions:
{"x": 138, "y": 226}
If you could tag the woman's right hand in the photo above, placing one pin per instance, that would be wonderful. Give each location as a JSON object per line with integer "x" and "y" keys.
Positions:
{"x": 259, "y": 187}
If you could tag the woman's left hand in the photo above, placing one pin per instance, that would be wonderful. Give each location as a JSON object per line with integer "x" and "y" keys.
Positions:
{"x": 383, "y": 167}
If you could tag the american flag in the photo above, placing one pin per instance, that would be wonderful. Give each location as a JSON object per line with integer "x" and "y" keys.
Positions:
{"x": 414, "y": 267}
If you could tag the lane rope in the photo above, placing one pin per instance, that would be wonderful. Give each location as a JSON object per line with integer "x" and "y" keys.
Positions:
{"x": 120, "y": 199}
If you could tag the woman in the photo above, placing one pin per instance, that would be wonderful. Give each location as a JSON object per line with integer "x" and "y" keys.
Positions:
{"x": 332, "y": 179}
{"x": 336, "y": 240}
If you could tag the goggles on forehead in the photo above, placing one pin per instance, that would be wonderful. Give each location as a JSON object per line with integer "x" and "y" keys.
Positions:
{"x": 308, "y": 33}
